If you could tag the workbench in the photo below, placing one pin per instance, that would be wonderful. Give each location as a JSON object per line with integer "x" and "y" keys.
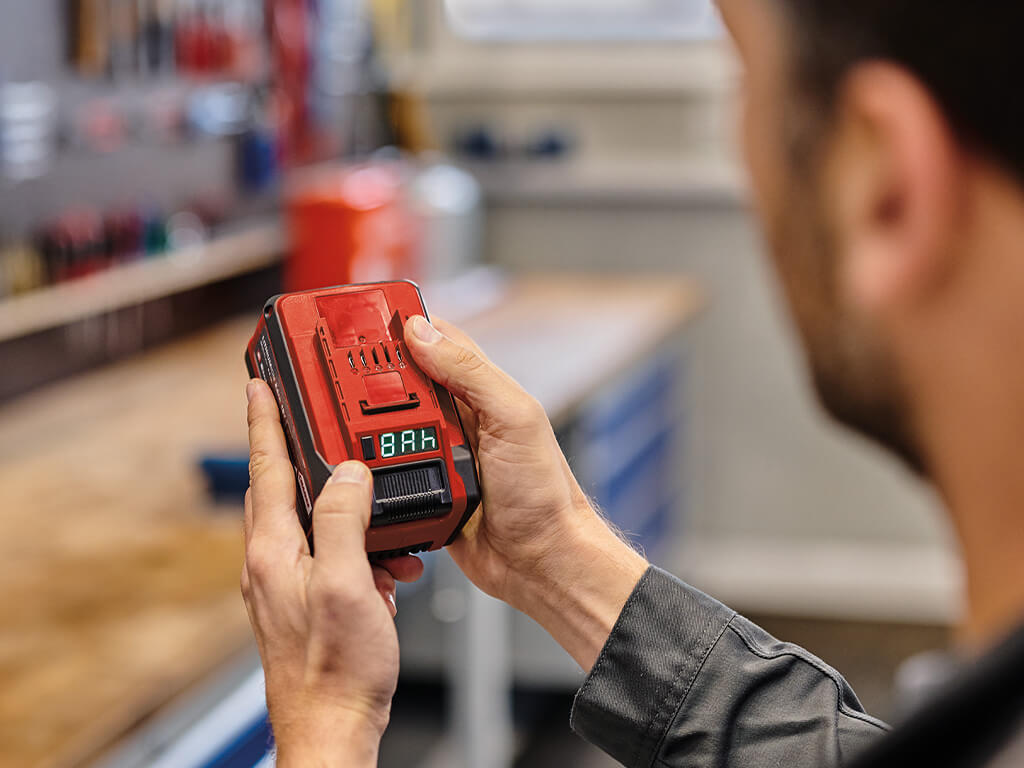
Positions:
{"x": 119, "y": 574}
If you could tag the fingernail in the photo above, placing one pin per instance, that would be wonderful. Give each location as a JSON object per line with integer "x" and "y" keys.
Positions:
{"x": 394, "y": 605}
{"x": 424, "y": 331}
{"x": 350, "y": 472}
{"x": 250, "y": 390}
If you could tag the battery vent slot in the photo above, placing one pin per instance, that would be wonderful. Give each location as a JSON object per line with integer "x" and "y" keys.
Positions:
{"x": 412, "y": 492}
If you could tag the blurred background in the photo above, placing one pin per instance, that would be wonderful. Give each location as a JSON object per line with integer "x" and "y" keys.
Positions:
{"x": 559, "y": 175}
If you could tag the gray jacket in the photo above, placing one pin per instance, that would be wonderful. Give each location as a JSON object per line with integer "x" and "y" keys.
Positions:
{"x": 685, "y": 681}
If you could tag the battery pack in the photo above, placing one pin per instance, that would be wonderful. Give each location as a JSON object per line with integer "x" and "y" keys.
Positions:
{"x": 347, "y": 388}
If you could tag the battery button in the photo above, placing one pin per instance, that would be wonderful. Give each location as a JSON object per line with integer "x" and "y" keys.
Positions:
{"x": 369, "y": 452}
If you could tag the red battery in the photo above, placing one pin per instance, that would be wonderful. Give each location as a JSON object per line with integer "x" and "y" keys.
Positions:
{"x": 347, "y": 388}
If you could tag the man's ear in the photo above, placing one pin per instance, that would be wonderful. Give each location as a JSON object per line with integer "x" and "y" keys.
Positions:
{"x": 894, "y": 185}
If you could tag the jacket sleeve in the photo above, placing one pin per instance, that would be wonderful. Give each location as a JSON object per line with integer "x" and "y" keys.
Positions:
{"x": 684, "y": 681}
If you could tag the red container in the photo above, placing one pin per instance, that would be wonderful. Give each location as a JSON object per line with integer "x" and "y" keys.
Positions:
{"x": 348, "y": 225}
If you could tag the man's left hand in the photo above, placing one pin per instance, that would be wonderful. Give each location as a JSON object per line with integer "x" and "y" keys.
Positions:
{"x": 324, "y": 625}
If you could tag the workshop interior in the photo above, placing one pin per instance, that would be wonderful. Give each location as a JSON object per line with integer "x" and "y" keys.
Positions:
{"x": 558, "y": 178}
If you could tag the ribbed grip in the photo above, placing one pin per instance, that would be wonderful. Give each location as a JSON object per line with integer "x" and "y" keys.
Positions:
{"x": 410, "y": 494}
{"x": 409, "y": 482}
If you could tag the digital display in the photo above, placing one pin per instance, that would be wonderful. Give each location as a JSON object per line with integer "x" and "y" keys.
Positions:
{"x": 408, "y": 441}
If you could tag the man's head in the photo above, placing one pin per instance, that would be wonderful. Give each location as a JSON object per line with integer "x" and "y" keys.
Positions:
{"x": 884, "y": 139}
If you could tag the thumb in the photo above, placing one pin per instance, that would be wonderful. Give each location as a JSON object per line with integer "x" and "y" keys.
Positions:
{"x": 341, "y": 514}
{"x": 485, "y": 388}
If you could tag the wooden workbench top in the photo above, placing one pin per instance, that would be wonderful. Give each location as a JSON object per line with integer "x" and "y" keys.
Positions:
{"x": 119, "y": 576}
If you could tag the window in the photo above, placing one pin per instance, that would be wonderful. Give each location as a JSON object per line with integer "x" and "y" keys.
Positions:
{"x": 584, "y": 19}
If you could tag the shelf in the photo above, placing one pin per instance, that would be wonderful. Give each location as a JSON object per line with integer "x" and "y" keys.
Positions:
{"x": 594, "y": 72}
{"x": 847, "y": 581}
{"x": 688, "y": 182}
{"x": 246, "y": 250}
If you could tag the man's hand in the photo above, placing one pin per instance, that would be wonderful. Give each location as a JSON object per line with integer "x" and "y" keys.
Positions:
{"x": 324, "y": 625}
{"x": 537, "y": 542}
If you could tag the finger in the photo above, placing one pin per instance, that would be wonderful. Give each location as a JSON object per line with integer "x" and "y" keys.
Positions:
{"x": 385, "y": 584}
{"x": 271, "y": 476}
{"x": 405, "y": 569}
{"x": 457, "y": 335}
{"x": 469, "y": 419}
{"x": 341, "y": 516}
{"x": 486, "y": 389}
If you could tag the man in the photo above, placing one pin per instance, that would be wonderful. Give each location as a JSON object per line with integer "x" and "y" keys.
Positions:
{"x": 884, "y": 143}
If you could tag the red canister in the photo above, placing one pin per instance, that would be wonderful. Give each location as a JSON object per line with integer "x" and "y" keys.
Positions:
{"x": 349, "y": 225}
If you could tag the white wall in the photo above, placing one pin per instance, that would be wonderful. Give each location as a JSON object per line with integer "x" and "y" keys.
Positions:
{"x": 654, "y": 187}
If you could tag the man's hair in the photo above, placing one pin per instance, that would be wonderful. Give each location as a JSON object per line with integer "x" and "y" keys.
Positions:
{"x": 970, "y": 55}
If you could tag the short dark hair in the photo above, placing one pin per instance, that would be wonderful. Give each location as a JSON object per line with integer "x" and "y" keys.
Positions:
{"x": 970, "y": 55}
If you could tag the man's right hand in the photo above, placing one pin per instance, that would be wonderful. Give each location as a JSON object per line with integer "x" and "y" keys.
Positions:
{"x": 537, "y": 543}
